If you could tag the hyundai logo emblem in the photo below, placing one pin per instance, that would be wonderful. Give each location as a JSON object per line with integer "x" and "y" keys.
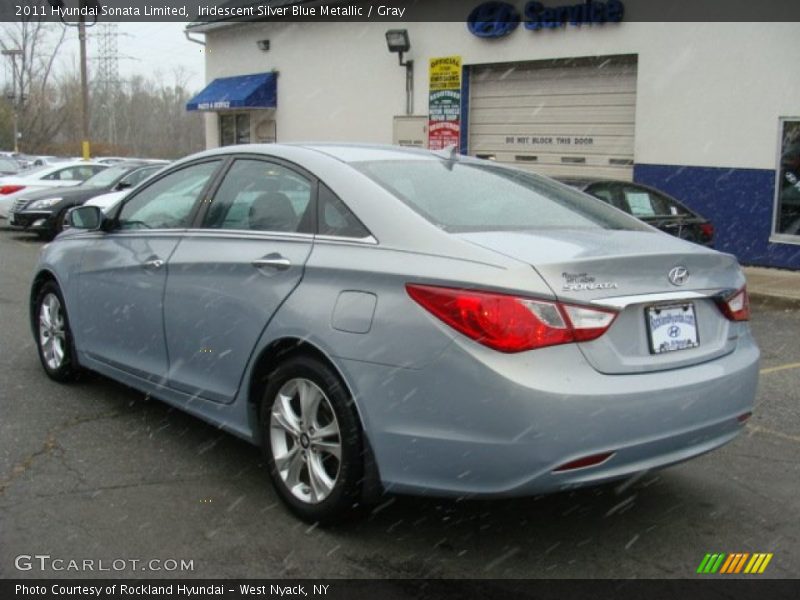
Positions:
{"x": 678, "y": 275}
{"x": 493, "y": 19}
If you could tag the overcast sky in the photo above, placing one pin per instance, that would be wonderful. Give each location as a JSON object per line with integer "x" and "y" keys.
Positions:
{"x": 144, "y": 48}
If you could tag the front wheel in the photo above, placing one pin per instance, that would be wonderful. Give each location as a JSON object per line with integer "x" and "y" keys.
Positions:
{"x": 312, "y": 440}
{"x": 53, "y": 334}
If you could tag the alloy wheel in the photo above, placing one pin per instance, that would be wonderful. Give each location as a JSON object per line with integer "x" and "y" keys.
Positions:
{"x": 52, "y": 335}
{"x": 306, "y": 440}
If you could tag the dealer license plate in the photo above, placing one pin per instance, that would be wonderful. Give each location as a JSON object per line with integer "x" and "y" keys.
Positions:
{"x": 672, "y": 328}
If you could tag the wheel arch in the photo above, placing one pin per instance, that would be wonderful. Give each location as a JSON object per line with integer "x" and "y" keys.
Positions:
{"x": 281, "y": 349}
{"x": 39, "y": 280}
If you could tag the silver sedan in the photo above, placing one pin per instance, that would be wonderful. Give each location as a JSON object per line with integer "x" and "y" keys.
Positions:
{"x": 384, "y": 320}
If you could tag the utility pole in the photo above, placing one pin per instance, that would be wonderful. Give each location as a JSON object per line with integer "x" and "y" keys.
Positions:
{"x": 15, "y": 100}
{"x": 85, "y": 150}
{"x": 82, "y": 4}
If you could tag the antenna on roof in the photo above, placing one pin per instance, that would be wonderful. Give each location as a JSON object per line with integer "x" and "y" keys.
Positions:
{"x": 447, "y": 153}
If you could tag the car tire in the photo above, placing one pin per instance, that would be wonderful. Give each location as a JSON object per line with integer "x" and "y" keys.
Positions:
{"x": 53, "y": 335}
{"x": 312, "y": 440}
{"x": 59, "y": 224}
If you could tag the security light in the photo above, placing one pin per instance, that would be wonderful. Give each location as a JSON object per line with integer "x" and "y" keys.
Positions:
{"x": 397, "y": 40}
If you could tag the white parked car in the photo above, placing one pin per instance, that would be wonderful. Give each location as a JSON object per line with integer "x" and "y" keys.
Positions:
{"x": 107, "y": 202}
{"x": 67, "y": 174}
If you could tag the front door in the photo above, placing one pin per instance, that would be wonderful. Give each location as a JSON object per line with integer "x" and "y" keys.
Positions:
{"x": 123, "y": 274}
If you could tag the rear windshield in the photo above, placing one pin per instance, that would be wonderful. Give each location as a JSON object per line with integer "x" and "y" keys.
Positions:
{"x": 461, "y": 196}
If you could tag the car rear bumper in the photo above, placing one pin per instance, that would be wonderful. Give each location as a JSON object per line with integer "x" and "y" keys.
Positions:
{"x": 481, "y": 423}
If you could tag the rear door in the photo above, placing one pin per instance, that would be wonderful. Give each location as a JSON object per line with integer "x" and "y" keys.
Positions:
{"x": 230, "y": 274}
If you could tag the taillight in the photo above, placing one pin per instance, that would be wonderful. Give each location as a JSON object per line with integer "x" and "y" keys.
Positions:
{"x": 10, "y": 189}
{"x": 510, "y": 323}
{"x": 707, "y": 229}
{"x": 736, "y": 307}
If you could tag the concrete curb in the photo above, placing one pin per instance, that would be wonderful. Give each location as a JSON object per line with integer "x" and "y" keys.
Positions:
{"x": 773, "y": 300}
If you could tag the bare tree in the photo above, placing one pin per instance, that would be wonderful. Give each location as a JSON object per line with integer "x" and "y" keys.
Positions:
{"x": 148, "y": 113}
{"x": 39, "y": 43}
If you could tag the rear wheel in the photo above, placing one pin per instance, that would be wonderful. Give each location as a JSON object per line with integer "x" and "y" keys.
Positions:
{"x": 53, "y": 335}
{"x": 312, "y": 440}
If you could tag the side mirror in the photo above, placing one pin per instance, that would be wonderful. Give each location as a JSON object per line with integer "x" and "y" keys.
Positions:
{"x": 89, "y": 218}
{"x": 123, "y": 185}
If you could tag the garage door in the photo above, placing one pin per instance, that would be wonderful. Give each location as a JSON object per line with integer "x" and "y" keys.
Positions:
{"x": 571, "y": 117}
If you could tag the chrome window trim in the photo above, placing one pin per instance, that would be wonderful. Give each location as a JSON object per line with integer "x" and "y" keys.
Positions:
{"x": 233, "y": 233}
{"x": 247, "y": 233}
{"x": 369, "y": 240}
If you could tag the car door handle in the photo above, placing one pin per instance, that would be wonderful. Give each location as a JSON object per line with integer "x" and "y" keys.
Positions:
{"x": 155, "y": 263}
{"x": 272, "y": 261}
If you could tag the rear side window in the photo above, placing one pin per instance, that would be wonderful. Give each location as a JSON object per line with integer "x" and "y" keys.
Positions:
{"x": 469, "y": 196}
{"x": 261, "y": 196}
{"x": 642, "y": 202}
{"x": 79, "y": 173}
{"x": 610, "y": 194}
{"x": 334, "y": 218}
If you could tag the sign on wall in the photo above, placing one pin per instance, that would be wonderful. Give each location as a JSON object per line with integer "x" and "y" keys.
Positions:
{"x": 444, "y": 103}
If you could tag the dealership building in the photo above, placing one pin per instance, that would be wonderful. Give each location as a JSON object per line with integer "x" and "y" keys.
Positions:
{"x": 708, "y": 112}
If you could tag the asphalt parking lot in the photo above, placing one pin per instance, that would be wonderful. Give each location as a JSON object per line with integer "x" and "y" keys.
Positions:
{"x": 97, "y": 471}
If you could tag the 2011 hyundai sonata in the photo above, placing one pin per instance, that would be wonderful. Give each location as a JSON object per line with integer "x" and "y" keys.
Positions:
{"x": 379, "y": 318}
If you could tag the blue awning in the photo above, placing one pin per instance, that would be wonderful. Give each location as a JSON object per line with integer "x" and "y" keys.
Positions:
{"x": 258, "y": 90}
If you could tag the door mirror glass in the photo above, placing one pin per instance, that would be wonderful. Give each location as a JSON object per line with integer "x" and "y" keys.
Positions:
{"x": 85, "y": 217}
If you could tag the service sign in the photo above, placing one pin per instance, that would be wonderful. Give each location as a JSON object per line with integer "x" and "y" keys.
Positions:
{"x": 444, "y": 104}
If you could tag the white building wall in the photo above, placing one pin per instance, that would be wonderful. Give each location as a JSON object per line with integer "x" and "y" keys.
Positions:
{"x": 708, "y": 94}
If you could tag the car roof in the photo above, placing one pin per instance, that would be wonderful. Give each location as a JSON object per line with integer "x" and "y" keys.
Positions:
{"x": 366, "y": 152}
{"x": 582, "y": 182}
{"x": 44, "y": 170}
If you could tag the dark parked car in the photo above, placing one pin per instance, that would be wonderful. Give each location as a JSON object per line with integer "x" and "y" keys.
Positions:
{"x": 43, "y": 211}
{"x": 652, "y": 206}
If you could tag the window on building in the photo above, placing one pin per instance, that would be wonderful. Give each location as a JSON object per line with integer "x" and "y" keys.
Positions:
{"x": 234, "y": 128}
{"x": 787, "y": 189}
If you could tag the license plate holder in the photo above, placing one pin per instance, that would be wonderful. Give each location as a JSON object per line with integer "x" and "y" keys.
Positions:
{"x": 672, "y": 327}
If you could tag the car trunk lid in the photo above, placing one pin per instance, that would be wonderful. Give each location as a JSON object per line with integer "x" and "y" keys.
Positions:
{"x": 629, "y": 271}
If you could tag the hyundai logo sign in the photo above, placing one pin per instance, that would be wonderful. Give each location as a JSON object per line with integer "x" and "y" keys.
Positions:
{"x": 498, "y": 19}
{"x": 493, "y": 19}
